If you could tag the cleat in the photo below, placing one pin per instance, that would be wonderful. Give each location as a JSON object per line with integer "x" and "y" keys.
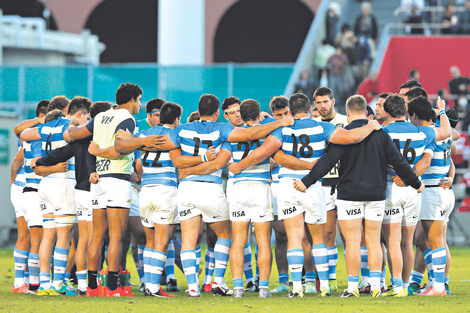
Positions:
{"x": 384, "y": 289}
{"x": 447, "y": 288}
{"x": 64, "y": 291}
{"x": 80, "y": 293}
{"x": 69, "y": 286}
{"x": 281, "y": 288}
{"x": 264, "y": 293}
{"x": 238, "y": 293}
{"x": 333, "y": 285}
{"x": 222, "y": 290}
{"x": 365, "y": 289}
{"x": 207, "y": 287}
{"x": 142, "y": 287}
{"x": 347, "y": 294}
{"x": 432, "y": 292}
{"x": 250, "y": 286}
{"x": 310, "y": 288}
{"x": 375, "y": 293}
{"x": 22, "y": 289}
{"x": 400, "y": 294}
{"x": 47, "y": 292}
{"x": 160, "y": 294}
{"x": 256, "y": 285}
{"x": 32, "y": 292}
{"x": 172, "y": 285}
{"x": 296, "y": 294}
{"x": 324, "y": 293}
{"x": 91, "y": 292}
{"x": 194, "y": 293}
{"x": 413, "y": 289}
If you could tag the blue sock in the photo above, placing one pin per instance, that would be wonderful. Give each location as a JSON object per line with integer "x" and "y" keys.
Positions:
{"x": 209, "y": 264}
{"x": 33, "y": 264}
{"x": 320, "y": 258}
{"x": 21, "y": 258}
{"x": 310, "y": 277}
{"x": 188, "y": 260}
{"x": 157, "y": 266}
{"x": 247, "y": 263}
{"x": 66, "y": 277}
{"x": 353, "y": 283}
{"x": 140, "y": 256}
{"x": 284, "y": 278}
{"x": 238, "y": 283}
{"x": 221, "y": 253}
{"x": 439, "y": 259}
{"x": 147, "y": 256}
{"x": 332, "y": 261}
{"x": 264, "y": 284}
{"x": 256, "y": 261}
{"x": 428, "y": 258}
{"x": 295, "y": 258}
{"x": 170, "y": 261}
{"x": 198, "y": 259}
{"x": 60, "y": 263}
{"x": 417, "y": 277}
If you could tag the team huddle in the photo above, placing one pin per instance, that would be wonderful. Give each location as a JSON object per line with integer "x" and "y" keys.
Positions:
{"x": 88, "y": 170}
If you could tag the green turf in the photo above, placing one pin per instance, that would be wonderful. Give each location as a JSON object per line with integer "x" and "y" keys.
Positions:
{"x": 459, "y": 301}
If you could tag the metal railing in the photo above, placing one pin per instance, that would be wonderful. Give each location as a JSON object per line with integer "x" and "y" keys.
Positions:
{"x": 434, "y": 12}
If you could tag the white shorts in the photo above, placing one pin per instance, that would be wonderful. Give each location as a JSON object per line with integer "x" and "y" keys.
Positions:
{"x": 202, "y": 198}
{"x": 58, "y": 194}
{"x": 436, "y": 203}
{"x": 83, "y": 204}
{"x": 15, "y": 198}
{"x": 402, "y": 205}
{"x": 135, "y": 211}
{"x": 30, "y": 200}
{"x": 111, "y": 192}
{"x": 274, "y": 188}
{"x": 369, "y": 210}
{"x": 158, "y": 205}
{"x": 292, "y": 202}
{"x": 229, "y": 189}
{"x": 451, "y": 197}
{"x": 252, "y": 201}
{"x": 330, "y": 198}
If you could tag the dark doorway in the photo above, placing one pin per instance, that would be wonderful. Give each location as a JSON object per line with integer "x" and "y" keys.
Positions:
{"x": 26, "y": 8}
{"x": 128, "y": 29}
{"x": 262, "y": 31}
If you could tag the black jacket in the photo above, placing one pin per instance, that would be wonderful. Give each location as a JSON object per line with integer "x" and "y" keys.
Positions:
{"x": 363, "y": 166}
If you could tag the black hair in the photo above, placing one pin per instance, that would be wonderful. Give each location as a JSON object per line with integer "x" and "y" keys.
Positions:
{"x": 59, "y": 103}
{"x": 208, "y": 104}
{"x": 169, "y": 112}
{"x": 127, "y": 92}
{"x": 410, "y": 84}
{"x": 345, "y": 27}
{"x": 154, "y": 104}
{"x": 384, "y": 95}
{"x": 98, "y": 107}
{"x": 53, "y": 115}
{"x": 422, "y": 108}
{"x": 230, "y": 101}
{"x": 412, "y": 72}
{"x": 356, "y": 103}
{"x": 395, "y": 105}
{"x": 453, "y": 117}
{"x": 370, "y": 111}
{"x": 194, "y": 117}
{"x": 416, "y": 92}
{"x": 278, "y": 103}
{"x": 41, "y": 108}
{"x": 249, "y": 110}
{"x": 323, "y": 91}
{"x": 299, "y": 103}
{"x": 79, "y": 104}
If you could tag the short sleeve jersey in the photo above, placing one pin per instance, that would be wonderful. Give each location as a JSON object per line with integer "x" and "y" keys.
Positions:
{"x": 195, "y": 138}
{"x": 440, "y": 162}
{"x": 410, "y": 140}
{"x": 31, "y": 150}
{"x": 52, "y": 137}
{"x": 306, "y": 140}
{"x": 20, "y": 179}
{"x": 157, "y": 166}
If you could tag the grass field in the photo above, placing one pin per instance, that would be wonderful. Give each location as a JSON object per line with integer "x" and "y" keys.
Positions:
{"x": 459, "y": 301}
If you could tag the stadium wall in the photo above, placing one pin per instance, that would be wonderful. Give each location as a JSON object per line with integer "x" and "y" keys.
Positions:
{"x": 431, "y": 56}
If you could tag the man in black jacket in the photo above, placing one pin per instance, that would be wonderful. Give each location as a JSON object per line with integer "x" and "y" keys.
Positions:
{"x": 361, "y": 191}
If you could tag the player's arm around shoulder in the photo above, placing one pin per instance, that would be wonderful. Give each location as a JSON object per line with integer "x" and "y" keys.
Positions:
{"x": 259, "y": 131}
{"x": 208, "y": 167}
{"x": 291, "y": 162}
{"x": 343, "y": 136}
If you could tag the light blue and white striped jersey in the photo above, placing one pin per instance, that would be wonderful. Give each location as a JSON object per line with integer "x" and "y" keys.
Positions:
{"x": 196, "y": 137}
{"x": 157, "y": 166}
{"x": 440, "y": 162}
{"x": 20, "y": 179}
{"x": 306, "y": 140}
{"x": 275, "y": 174}
{"x": 255, "y": 173}
{"x": 52, "y": 136}
{"x": 31, "y": 150}
{"x": 410, "y": 140}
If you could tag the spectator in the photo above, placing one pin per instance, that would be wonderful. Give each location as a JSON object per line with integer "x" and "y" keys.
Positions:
{"x": 414, "y": 74}
{"x": 305, "y": 85}
{"x": 363, "y": 57}
{"x": 444, "y": 96}
{"x": 334, "y": 10}
{"x": 449, "y": 21}
{"x": 458, "y": 85}
{"x": 369, "y": 87}
{"x": 346, "y": 40}
{"x": 366, "y": 23}
{"x": 414, "y": 18}
{"x": 324, "y": 52}
{"x": 337, "y": 65}
{"x": 464, "y": 19}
